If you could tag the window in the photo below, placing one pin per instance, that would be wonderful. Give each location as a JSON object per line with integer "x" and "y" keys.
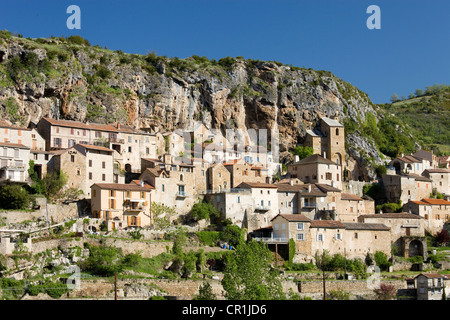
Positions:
{"x": 300, "y": 236}
{"x": 356, "y": 235}
{"x": 300, "y": 226}
{"x": 143, "y": 195}
{"x": 112, "y": 203}
{"x": 162, "y": 188}
{"x": 129, "y": 149}
{"x": 147, "y": 150}
{"x": 72, "y": 158}
{"x": 283, "y": 226}
{"x": 320, "y": 237}
{"x": 129, "y": 139}
{"x": 103, "y": 164}
{"x": 35, "y": 155}
{"x": 338, "y": 236}
{"x": 112, "y": 193}
{"x": 78, "y": 172}
{"x": 268, "y": 203}
{"x": 72, "y": 131}
{"x": 103, "y": 177}
{"x": 90, "y": 163}
{"x": 90, "y": 175}
{"x": 203, "y": 173}
{"x": 328, "y": 176}
{"x": 276, "y": 226}
{"x": 94, "y": 193}
{"x": 337, "y": 131}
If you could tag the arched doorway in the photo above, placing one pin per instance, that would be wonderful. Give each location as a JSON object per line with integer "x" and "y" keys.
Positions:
{"x": 128, "y": 168}
{"x": 415, "y": 248}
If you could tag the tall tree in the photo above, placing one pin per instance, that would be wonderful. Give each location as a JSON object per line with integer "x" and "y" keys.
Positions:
{"x": 249, "y": 275}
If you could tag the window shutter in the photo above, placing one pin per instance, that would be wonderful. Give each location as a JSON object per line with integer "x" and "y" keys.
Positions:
{"x": 138, "y": 222}
{"x": 128, "y": 220}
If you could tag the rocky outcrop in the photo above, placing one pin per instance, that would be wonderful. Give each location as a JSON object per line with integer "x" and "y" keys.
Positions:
{"x": 69, "y": 81}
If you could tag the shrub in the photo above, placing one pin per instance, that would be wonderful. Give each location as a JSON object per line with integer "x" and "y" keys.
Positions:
{"x": 385, "y": 292}
{"x": 14, "y": 197}
{"x": 209, "y": 238}
{"x": 381, "y": 260}
{"x": 205, "y": 292}
{"x": 104, "y": 261}
{"x": 203, "y": 210}
{"x": 78, "y": 40}
{"x": 233, "y": 235}
{"x": 338, "y": 295}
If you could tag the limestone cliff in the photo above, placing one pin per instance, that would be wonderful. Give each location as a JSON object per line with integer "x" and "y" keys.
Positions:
{"x": 64, "y": 79}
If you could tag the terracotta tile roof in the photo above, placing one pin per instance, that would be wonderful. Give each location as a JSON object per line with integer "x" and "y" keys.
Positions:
{"x": 247, "y": 185}
{"x": 440, "y": 170}
{"x": 436, "y": 202}
{"x": 315, "y": 158}
{"x": 400, "y": 215}
{"x": 327, "y": 188}
{"x": 285, "y": 187}
{"x": 326, "y": 224}
{"x": 293, "y": 217}
{"x": 155, "y": 171}
{"x": 92, "y": 147}
{"x": 13, "y": 145}
{"x": 365, "y": 226}
{"x": 146, "y": 185}
{"x": 419, "y": 202}
{"x": 351, "y": 197}
{"x": 409, "y": 159}
{"x": 121, "y": 186}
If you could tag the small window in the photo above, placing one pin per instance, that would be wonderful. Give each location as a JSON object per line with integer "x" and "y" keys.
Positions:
{"x": 239, "y": 199}
{"x": 300, "y": 236}
{"x": 103, "y": 164}
{"x": 320, "y": 237}
{"x": 90, "y": 163}
{"x": 90, "y": 175}
{"x": 356, "y": 235}
{"x": 103, "y": 177}
{"x": 162, "y": 188}
{"x": 300, "y": 226}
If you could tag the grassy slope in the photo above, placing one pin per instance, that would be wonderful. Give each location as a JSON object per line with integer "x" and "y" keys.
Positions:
{"x": 428, "y": 117}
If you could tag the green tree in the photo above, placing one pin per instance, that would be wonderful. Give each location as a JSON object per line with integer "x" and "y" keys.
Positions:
{"x": 248, "y": 274}
{"x": 381, "y": 259}
{"x": 205, "y": 292}
{"x": 14, "y": 197}
{"x": 53, "y": 183}
{"x": 233, "y": 235}
{"x": 395, "y": 98}
{"x": 202, "y": 211}
{"x": 302, "y": 151}
{"x": 162, "y": 215}
{"x": 104, "y": 261}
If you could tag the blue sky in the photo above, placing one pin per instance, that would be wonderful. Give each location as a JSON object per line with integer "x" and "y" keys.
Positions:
{"x": 410, "y": 51}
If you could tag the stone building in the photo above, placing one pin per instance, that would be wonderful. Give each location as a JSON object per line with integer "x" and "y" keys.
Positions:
{"x": 86, "y": 164}
{"x": 406, "y": 187}
{"x": 350, "y": 207}
{"x": 219, "y": 178}
{"x": 129, "y": 144}
{"x": 352, "y": 240}
{"x": 440, "y": 179}
{"x": 241, "y": 171}
{"x": 42, "y": 162}
{"x": 407, "y": 231}
{"x": 436, "y": 212}
{"x": 415, "y": 163}
{"x": 14, "y": 162}
{"x": 431, "y": 286}
{"x": 19, "y": 135}
{"x": 122, "y": 206}
{"x": 317, "y": 169}
{"x": 328, "y": 140}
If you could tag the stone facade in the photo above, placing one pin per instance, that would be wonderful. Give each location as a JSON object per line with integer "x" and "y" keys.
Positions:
{"x": 14, "y": 162}
{"x": 440, "y": 179}
{"x": 436, "y": 212}
{"x": 317, "y": 169}
{"x": 406, "y": 187}
{"x": 219, "y": 178}
{"x": 122, "y": 205}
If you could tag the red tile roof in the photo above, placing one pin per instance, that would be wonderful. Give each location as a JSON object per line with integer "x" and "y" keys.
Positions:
{"x": 13, "y": 145}
{"x": 352, "y": 197}
{"x": 247, "y": 185}
{"x": 293, "y": 217}
{"x": 326, "y": 224}
{"x": 121, "y": 186}
{"x": 436, "y": 201}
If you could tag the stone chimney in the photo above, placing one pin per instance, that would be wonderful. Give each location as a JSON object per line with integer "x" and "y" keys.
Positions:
{"x": 324, "y": 154}
{"x": 296, "y": 159}
{"x": 291, "y": 182}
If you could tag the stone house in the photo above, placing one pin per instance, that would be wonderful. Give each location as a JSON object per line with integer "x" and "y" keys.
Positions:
{"x": 413, "y": 164}
{"x": 129, "y": 144}
{"x": 436, "y": 212}
{"x": 86, "y": 164}
{"x": 42, "y": 162}
{"x": 14, "y": 162}
{"x": 444, "y": 162}
{"x": 429, "y": 156}
{"x": 122, "y": 206}
{"x": 406, "y": 187}
{"x": 350, "y": 207}
{"x": 219, "y": 178}
{"x": 431, "y": 286}
{"x": 317, "y": 169}
{"x": 352, "y": 240}
{"x": 174, "y": 143}
{"x": 241, "y": 171}
{"x": 174, "y": 183}
{"x": 20, "y": 135}
{"x": 440, "y": 179}
{"x": 407, "y": 231}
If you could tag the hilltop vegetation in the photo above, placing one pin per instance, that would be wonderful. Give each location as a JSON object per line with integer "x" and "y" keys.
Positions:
{"x": 427, "y": 113}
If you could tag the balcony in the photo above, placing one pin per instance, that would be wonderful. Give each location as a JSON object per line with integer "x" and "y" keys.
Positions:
{"x": 262, "y": 208}
{"x": 116, "y": 140}
{"x": 182, "y": 194}
{"x": 271, "y": 239}
{"x": 135, "y": 205}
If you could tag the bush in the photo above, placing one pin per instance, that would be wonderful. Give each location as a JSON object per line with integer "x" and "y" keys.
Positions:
{"x": 14, "y": 197}
{"x": 104, "y": 261}
{"x": 300, "y": 266}
{"x": 209, "y": 238}
{"x": 233, "y": 235}
{"x": 381, "y": 260}
{"x": 203, "y": 210}
{"x": 78, "y": 40}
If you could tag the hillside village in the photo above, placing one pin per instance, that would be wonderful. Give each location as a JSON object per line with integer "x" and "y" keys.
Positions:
{"x": 119, "y": 172}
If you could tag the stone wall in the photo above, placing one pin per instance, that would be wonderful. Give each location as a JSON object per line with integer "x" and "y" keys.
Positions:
{"x": 56, "y": 213}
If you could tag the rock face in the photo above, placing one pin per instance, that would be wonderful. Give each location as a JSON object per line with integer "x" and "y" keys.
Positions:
{"x": 63, "y": 80}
